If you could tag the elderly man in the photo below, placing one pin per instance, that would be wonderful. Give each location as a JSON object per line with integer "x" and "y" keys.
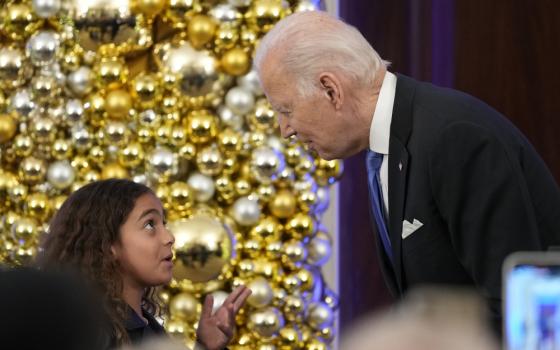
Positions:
{"x": 454, "y": 186}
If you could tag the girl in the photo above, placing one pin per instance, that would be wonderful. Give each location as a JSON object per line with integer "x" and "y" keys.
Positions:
{"x": 113, "y": 231}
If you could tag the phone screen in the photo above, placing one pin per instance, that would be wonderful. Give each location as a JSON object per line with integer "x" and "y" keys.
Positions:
{"x": 532, "y": 307}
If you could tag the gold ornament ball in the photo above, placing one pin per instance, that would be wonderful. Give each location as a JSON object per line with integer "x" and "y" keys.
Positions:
{"x": 32, "y": 170}
{"x": 291, "y": 283}
{"x": 245, "y": 268}
{"x": 203, "y": 248}
{"x": 289, "y": 337}
{"x": 114, "y": 171}
{"x": 61, "y": 149}
{"x": 176, "y": 328}
{"x": 118, "y": 104}
{"x": 37, "y": 206}
{"x": 179, "y": 11}
{"x": 201, "y": 126}
{"x": 283, "y": 204}
{"x": 294, "y": 251}
{"x": 131, "y": 155}
{"x": 267, "y": 229}
{"x": 229, "y": 141}
{"x": 8, "y": 127}
{"x": 209, "y": 161}
{"x": 148, "y": 8}
{"x": 236, "y": 62}
{"x": 301, "y": 225}
{"x": 58, "y": 201}
{"x": 266, "y": 322}
{"x": 262, "y": 293}
{"x": 264, "y": 14}
{"x": 263, "y": 118}
{"x": 43, "y": 130}
{"x": 17, "y": 193}
{"x": 19, "y": 21}
{"x": 180, "y": 196}
{"x": 306, "y": 278}
{"x": 145, "y": 90}
{"x": 23, "y": 145}
{"x": 24, "y": 228}
{"x": 111, "y": 73}
{"x": 293, "y": 308}
{"x": 201, "y": 29}
{"x": 184, "y": 306}
{"x": 187, "y": 151}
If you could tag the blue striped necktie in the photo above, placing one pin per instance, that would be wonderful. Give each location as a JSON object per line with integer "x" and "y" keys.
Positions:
{"x": 373, "y": 163}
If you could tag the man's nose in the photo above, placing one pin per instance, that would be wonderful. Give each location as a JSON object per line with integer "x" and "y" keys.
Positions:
{"x": 285, "y": 130}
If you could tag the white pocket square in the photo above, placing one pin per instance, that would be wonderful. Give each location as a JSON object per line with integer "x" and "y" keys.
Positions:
{"x": 409, "y": 228}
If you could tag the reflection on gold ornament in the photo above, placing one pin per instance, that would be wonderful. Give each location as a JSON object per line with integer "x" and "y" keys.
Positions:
{"x": 178, "y": 11}
{"x": 114, "y": 171}
{"x": 108, "y": 27}
{"x": 19, "y": 21}
{"x": 264, "y": 14}
{"x": 283, "y": 204}
{"x": 148, "y": 8}
{"x": 203, "y": 248}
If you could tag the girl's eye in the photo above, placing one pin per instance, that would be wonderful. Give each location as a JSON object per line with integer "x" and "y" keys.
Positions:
{"x": 150, "y": 225}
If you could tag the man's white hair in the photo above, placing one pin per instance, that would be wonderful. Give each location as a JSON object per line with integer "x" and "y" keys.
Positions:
{"x": 311, "y": 42}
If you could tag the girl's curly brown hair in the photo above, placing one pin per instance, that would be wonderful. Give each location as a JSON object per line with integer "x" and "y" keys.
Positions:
{"x": 80, "y": 236}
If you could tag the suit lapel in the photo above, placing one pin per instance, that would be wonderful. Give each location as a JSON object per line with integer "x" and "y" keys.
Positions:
{"x": 401, "y": 126}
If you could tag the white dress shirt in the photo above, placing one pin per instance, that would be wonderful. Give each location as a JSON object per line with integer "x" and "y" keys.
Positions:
{"x": 380, "y": 131}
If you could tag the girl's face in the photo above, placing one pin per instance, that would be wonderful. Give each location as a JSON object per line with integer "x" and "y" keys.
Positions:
{"x": 144, "y": 248}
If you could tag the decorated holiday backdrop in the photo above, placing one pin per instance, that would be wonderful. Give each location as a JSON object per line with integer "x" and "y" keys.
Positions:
{"x": 162, "y": 92}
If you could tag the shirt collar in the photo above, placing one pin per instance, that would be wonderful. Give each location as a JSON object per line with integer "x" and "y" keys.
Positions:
{"x": 380, "y": 129}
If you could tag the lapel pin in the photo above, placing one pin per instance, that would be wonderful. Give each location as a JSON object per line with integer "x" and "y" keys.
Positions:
{"x": 400, "y": 166}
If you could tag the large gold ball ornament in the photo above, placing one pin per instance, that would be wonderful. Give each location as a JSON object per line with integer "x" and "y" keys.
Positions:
{"x": 45, "y": 90}
{"x": 32, "y": 170}
{"x": 293, "y": 252}
{"x": 203, "y": 248}
{"x": 201, "y": 126}
{"x": 114, "y": 171}
{"x": 266, "y": 322}
{"x": 8, "y": 127}
{"x": 283, "y": 204}
{"x": 200, "y": 30}
{"x": 184, "y": 306}
{"x": 261, "y": 293}
{"x": 306, "y": 278}
{"x": 236, "y": 62}
{"x": 118, "y": 104}
{"x": 116, "y": 133}
{"x": 17, "y": 193}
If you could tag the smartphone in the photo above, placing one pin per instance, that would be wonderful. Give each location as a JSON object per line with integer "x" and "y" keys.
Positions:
{"x": 531, "y": 301}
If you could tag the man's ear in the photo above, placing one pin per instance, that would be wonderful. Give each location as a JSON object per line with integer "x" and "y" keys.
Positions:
{"x": 332, "y": 88}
